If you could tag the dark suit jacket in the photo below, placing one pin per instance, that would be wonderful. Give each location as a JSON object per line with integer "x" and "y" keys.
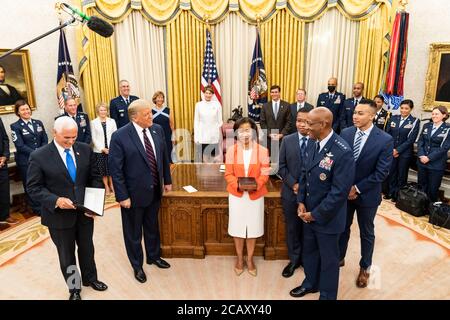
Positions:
{"x": 293, "y": 109}
{"x": 48, "y": 179}
{"x": 291, "y": 163}
{"x": 84, "y": 128}
{"x": 325, "y": 184}
{"x": 335, "y": 105}
{"x": 283, "y": 121}
{"x": 435, "y": 146}
{"x": 4, "y": 142}
{"x": 405, "y": 135}
{"x": 10, "y": 99}
{"x": 372, "y": 165}
{"x": 130, "y": 168}
{"x": 118, "y": 110}
{"x": 26, "y": 140}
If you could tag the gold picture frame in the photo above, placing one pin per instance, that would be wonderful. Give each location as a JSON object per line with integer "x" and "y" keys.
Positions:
{"x": 437, "y": 81}
{"x": 17, "y": 79}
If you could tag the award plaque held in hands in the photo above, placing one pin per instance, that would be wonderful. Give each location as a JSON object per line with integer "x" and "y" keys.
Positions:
{"x": 247, "y": 184}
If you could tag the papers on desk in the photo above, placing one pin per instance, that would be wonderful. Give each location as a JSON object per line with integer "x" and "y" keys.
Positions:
{"x": 190, "y": 189}
{"x": 94, "y": 201}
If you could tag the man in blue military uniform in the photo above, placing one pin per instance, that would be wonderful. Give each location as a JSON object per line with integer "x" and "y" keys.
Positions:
{"x": 28, "y": 135}
{"x": 334, "y": 101}
{"x": 322, "y": 198}
{"x": 118, "y": 107}
{"x": 81, "y": 118}
{"x": 349, "y": 106}
{"x": 294, "y": 150}
{"x": 372, "y": 150}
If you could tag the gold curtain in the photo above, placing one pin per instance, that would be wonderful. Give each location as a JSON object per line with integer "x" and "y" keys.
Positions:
{"x": 282, "y": 40}
{"x": 185, "y": 48}
{"x": 98, "y": 71}
{"x": 372, "y": 45}
{"x": 162, "y": 12}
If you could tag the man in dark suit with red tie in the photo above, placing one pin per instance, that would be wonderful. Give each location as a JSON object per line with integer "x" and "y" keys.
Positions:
{"x": 140, "y": 168}
{"x": 118, "y": 107}
{"x": 58, "y": 174}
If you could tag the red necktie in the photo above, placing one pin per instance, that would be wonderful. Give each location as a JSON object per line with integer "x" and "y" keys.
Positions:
{"x": 151, "y": 158}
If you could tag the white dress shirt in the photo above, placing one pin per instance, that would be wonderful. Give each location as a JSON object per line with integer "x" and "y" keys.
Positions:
{"x": 141, "y": 136}
{"x": 207, "y": 122}
{"x": 363, "y": 138}
{"x": 62, "y": 153}
{"x": 324, "y": 141}
{"x": 300, "y": 105}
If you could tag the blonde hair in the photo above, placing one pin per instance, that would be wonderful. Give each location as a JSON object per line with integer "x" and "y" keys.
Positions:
{"x": 156, "y": 95}
{"x": 136, "y": 106}
{"x": 99, "y": 105}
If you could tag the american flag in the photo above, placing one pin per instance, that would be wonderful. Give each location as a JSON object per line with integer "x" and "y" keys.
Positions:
{"x": 210, "y": 75}
{"x": 66, "y": 83}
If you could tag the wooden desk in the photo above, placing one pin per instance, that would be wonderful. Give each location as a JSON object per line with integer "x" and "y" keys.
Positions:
{"x": 196, "y": 224}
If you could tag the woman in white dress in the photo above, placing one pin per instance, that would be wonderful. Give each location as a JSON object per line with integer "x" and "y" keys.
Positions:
{"x": 246, "y": 158}
{"x": 207, "y": 126}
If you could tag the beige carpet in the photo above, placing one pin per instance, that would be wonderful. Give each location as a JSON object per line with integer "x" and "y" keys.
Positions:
{"x": 405, "y": 267}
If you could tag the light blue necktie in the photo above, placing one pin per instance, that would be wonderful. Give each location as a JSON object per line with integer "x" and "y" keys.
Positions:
{"x": 275, "y": 111}
{"x": 357, "y": 145}
{"x": 70, "y": 165}
{"x": 434, "y": 130}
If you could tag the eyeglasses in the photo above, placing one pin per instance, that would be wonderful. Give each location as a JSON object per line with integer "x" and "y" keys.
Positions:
{"x": 310, "y": 123}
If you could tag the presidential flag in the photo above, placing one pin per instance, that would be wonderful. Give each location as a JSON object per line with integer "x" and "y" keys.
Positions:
{"x": 210, "y": 75}
{"x": 66, "y": 83}
{"x": 257, "y": 82}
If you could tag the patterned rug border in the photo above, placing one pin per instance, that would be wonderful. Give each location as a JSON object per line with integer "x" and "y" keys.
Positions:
{"x": 28, "y": 234}
{"x": 419, "y": 225}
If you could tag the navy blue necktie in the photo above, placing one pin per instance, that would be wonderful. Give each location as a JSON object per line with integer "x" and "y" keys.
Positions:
{"x": 303, "y": 146}
{"x": 70, "y": 165}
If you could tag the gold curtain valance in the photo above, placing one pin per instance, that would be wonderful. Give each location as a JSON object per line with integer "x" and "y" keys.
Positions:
{"x": 162, "y": 12}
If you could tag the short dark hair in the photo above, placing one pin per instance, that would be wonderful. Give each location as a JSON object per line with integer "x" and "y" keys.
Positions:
{"x": 209, "y": 88}
{"x": 301, "y": 110}
{"x": 275, "y": 86}
{"x": 245, "y": 120}
{"x": 409, "y": 102}
{"x": 17, "y": 106}
{"x": 442, "y": 110}
{"x": 371, "y": 103}
{"x": 379, "y": 96}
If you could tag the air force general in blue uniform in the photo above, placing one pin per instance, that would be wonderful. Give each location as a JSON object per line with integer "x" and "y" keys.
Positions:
{"x": 27, "y": 137}
{"x": 324, "y": 187}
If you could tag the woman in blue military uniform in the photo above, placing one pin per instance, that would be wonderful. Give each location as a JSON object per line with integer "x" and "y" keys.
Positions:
{"x": 27, "y": 134}
{"x": 404, "y": 128}
{"x": 163, "y": 117}
{"x": 432, "y": 148}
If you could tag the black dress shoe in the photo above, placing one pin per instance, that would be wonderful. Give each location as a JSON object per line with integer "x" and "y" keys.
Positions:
{"x": 75, "y": 296}
{"x": 96, "y": 285}
{"x": 160, "y": 263}
{"x": 301, "y": 291}
{"x": 140, "y": 275}
{"x": 288, "y": 271}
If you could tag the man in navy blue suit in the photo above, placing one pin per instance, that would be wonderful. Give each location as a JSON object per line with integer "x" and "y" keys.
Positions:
{"x": 140, "y": 168}
{"x": 300, "y": 103}
{"x": 118, "y": 107}
{"x": 322, "y": 198}
{"x": 372, "y": 150}
{"x": 334, "y": 101}
{"x": 349, "y": 106}
{"x": 294, "y": 150}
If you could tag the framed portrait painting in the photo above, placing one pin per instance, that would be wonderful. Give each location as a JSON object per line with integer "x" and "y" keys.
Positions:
{"x": 437, "y": 81}
{"x": 15, "y": 80}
